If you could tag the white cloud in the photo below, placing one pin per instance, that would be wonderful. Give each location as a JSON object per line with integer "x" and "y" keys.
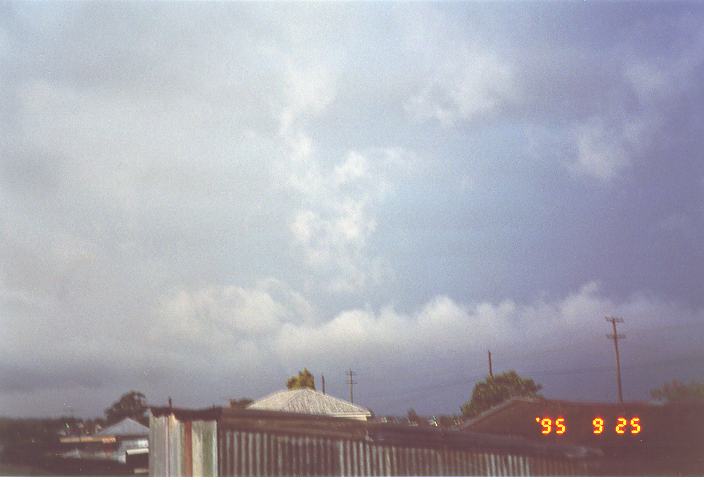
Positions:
{"x": 609, "y": 143}
{"x": 217, "y": 316}
{"x": 656, "y": 80}
{"x": 454, "y": 333}
{"x": 470, "y": 84}
{"x": 336, "y": 220}
{"x": 601, "y": 153}
{"x": 647, "y": 81}
{"x": 354, "y": 168}
{"x": 221, "y": 311}
{"x": 332, "y": 230}
{"x": 213, "y": 147}
{"x": 305, "y": 226}
{"x": 309, "y": 92}
{"x": 333, "y": 241}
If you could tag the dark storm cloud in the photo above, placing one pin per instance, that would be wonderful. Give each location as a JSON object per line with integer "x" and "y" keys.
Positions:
{"x": 197, "y": 200}
{"x": 22, "y": 379}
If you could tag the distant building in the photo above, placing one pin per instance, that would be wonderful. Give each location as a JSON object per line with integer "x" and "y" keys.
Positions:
{"x": 131, "y": 437}
{"x": 403, "y": 420}
{"x": 311, "y": 402}
{"x": 124, "y": 439}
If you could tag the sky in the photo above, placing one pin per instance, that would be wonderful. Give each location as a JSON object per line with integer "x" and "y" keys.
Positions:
{"x": 199, "y": 199}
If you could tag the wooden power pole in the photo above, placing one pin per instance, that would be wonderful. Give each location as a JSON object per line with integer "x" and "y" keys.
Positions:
{"x": 615, "y": 336}
{"x": 351, "y": 383}
{"x": 491, "y": 368}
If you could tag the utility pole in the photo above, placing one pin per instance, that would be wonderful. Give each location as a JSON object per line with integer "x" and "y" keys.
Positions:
{"x": 616, "y": 337}
{"x": 323, "y": 384}
{"x": 491, "y": 369}
{"x": 351, "y": 383}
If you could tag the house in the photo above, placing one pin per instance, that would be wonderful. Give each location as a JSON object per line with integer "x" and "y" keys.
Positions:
{"x": 130, "y": 438}
{"x": 312, "y": 402}
{"x": 635, "y": 438}
{"x": 125, "y": 442}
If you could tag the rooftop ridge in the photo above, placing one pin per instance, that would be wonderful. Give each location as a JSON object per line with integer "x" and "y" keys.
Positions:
{"x": 307, "y": 398}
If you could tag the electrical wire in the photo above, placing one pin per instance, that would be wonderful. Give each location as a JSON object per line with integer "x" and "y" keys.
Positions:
{"x": 468, "y": 378}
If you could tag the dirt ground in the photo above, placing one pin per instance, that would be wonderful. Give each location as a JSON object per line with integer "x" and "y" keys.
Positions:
{"x": 21, "y": 471}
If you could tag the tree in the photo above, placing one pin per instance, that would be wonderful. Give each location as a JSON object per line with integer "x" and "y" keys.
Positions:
{"x": 495, "y": 390}
{"x": 676, "y": 391}
{"x": 240, "y": 402}
{"x": 132, "y": 404}
{"x": 304, "y": 379}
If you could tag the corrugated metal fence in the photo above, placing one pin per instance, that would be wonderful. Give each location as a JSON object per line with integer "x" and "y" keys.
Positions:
{"x": 182, "y": 448}
{"x": 267, "y": 454}
{"x": 246, "y": 443}
{"x": 263, "y": 454}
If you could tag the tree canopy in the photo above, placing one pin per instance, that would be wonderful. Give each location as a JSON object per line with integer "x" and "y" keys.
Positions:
{"x": 495, "y": 390}
{"x": 304, "y": 379}
{"x": 240, "y": 402}
{"x": 676, "y": 391}
{"x": 132, "y": 404}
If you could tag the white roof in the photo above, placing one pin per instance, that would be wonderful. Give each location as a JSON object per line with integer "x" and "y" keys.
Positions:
{"x": 124, "y": 428}
{"x": 307, "y": 400}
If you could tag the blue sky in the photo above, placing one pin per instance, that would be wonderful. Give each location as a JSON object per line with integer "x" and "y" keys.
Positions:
{"x": 199, "y": 199}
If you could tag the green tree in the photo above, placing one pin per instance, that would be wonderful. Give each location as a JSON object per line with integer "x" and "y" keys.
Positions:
{"x": 676, "y": 391}
{"x": 493, "y": 391}
{"x": 304, "y": 379}
{"x": 132, "y": 404}
{"x": 240, "y": 402}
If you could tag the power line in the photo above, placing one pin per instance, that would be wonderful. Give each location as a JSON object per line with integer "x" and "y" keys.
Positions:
{"x": 560, "y": 348}
{"x": 425, "y": 391}
{"x": 554, "y": 349}
{"x": 607, "y": 368}
{"x": 679, "y": 326}
{"x": 462, "y": 380}
{"x": 662, "y": 363}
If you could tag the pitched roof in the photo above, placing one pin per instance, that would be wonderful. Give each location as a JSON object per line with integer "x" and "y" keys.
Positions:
{"x": 306, "y": 400}
{"x": 124, "y": 428}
